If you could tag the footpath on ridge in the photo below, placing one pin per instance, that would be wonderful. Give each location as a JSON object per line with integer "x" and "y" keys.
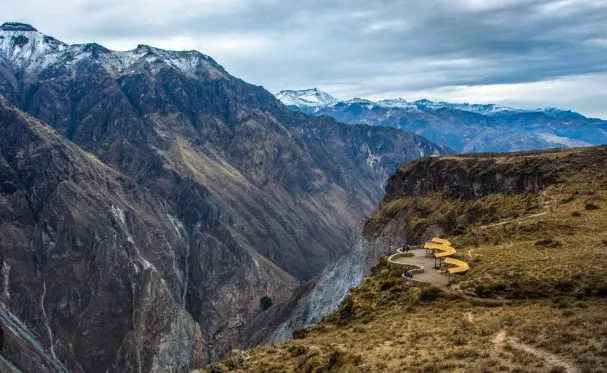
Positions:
{"x": 423, "y": 266}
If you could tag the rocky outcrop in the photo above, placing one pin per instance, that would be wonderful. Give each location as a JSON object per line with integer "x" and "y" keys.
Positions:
{"x": 312, "y": 301}
{"x": 22, "y": 346}
{"x": 470, "y": 177}
{"x": 435, "y": 195}
{"x": 16, "y": 26}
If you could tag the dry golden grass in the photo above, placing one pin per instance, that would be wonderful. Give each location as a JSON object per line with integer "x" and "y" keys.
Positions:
{"x": 386, "y": 326}
{"x": 453, "y": 215}
{"x": 561, "y": 253}
{"x": 448, "y": 334}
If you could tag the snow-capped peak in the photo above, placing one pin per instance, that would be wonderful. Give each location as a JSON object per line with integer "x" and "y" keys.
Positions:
{"x": 398, "y": 103}
{"x": 24, "y": 49}
{"x": 22, "y": 46}
{"x": 360, "y": 101}
{"x": 485, "y": 109}
{"x": 306, "y": 97}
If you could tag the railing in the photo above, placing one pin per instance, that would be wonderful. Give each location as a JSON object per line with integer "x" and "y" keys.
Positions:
{"x": 411, "y": 268}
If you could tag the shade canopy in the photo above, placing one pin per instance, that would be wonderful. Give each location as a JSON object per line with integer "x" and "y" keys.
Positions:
{"x": 459, "y": 265}
{"x": 445, "y": 250}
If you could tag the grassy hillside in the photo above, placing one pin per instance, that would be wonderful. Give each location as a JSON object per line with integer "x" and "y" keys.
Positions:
{"x": 535, "y": 299}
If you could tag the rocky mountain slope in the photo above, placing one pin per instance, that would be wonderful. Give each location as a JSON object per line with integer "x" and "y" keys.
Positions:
{"x": 262, "y": 198}
{"x": 462, "y": 127}
{"x": 90, "y": 262}
{"x": 532, "y": 227}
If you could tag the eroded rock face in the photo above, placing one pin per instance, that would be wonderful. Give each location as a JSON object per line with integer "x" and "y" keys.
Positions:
{"x": 89, "y": 261}
{"x": 470, "y": 177}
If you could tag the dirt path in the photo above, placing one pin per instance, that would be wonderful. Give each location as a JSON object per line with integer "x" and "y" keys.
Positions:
{"x": 501, "y": 339}
{"x": 548, "y": 202}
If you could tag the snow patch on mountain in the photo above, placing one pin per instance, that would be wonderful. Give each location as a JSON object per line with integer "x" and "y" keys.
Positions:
{"x": 307, "y": 97}
{"x": 16, "y": 26}
{"x": 560, "y": 140}
{"x": 398, "y": 103}
{"x": 26, "y": 48}
{"x": 484, "y": 109}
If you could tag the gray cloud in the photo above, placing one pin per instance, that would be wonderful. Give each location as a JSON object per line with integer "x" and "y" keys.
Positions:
{"x": 356, "y": 47}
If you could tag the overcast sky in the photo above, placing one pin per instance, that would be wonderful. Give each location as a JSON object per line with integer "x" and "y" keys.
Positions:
{"x": 523, "y": 53}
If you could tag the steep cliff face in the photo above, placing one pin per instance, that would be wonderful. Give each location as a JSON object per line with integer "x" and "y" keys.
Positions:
{"x": 91, "y": 262}
{"x": 314, "y": 300}
{"x": 470, "y": 177}
{"x": 448, "y": 194}
{"x": 261, "y": 198}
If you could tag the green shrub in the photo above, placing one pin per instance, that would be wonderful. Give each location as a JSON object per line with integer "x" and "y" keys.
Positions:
{"x": 576, "y": 214}
{"x": 396, "y": 274}
{"x": 297, "y": 350}
{"x": 496, "y": 287}
{"x": 386, "y": 285}
{"x": 548, "y": 243}
{"x": 564, "y": 286}
{"x": 429, "y": 294}
{"x": 346, "y": 310}
{"x": 568, "y": 199}
{"x": 483, "y": 291}
{"x": 300, "y": 333}
{"x": 561, "y": 303}
{"x": 591, "y": 206}
{"x": 601, "y": 292}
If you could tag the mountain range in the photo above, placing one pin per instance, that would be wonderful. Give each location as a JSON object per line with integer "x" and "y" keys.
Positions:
{"x": 461, "y": 127}
{"x": 152, "y": 205}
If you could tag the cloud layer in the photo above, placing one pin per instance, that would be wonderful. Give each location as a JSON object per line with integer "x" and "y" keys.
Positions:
{"x": 523, "y": 52}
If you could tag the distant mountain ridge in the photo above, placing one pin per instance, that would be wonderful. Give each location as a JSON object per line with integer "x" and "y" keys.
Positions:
{"x": 461, "y": 126}
{"x": 323, "y": 99}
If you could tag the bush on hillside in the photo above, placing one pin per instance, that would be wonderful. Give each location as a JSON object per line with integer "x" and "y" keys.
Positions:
{"x": 548, "y": 243}
{"x": 429, "y": 294}
{"x": 569, "y": 199}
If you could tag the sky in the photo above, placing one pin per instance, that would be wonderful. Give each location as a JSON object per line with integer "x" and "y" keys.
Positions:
{"x": 521, "y": 53}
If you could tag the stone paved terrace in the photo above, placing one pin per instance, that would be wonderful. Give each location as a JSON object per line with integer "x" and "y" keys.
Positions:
{"x": 430, "y": 274}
